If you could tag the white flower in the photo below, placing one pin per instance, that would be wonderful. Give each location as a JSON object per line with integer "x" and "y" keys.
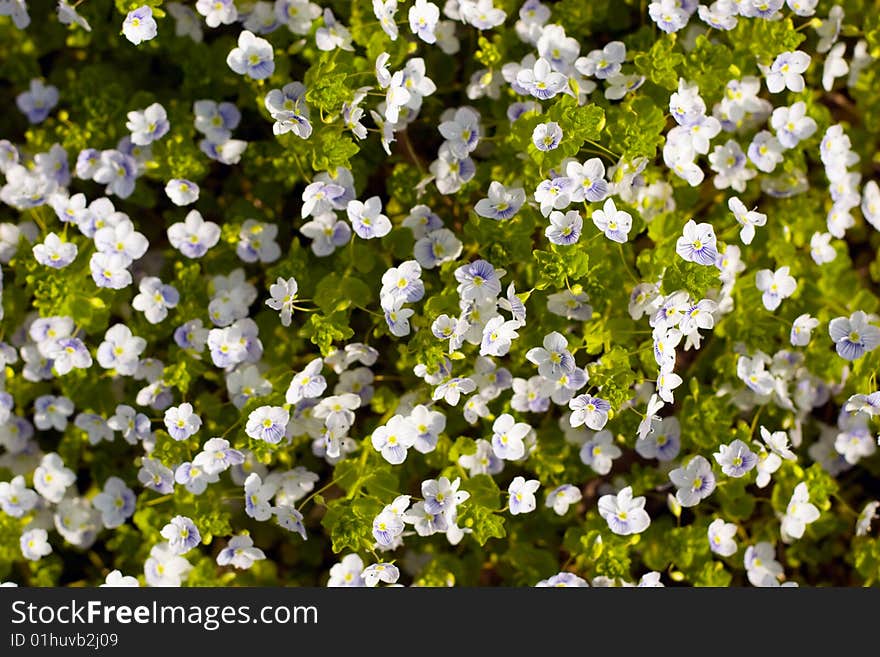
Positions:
{"x": 380, "y": 572}
{"x": 367, "y": 219}
{"x": 283, "y": 293}
{"x": 217, "y": 12}
{"x": 561, "y": 497}
{"x": 253, "y": 57}
{"x": 624, "y": 514}
{"x": 801, "y": 330}
{"x": 522, "y": 495}
{"x": 786, "y": 72}
{"x": 115, "y": 579}
{"x": 615, "y": 223}
{"x": 423, "y": 19}
{"x": 835, "y": 66}
{"x": 599, "y": 452}
{"x": 761, "y": 565}
{"x": 51, "y": 478}
{"x": 393, "y": 439}
{"x": 240, "y": 552}
{"x": 695, "y": 482}
{"x": 333, "y": 34}
{"x": 799, "y": 513}
{"x": 542, "y": 81}
{"x": 181, "y": 422}
{"x": 182, "y": 192}
{"x": 507, "y": 437}
{"x": 778, "y": 443}
{"x": 35, "y": 544}
{"x": 139, "y": 25}
{"x": 748, "y": 219}
{"x": 775, "y": 285}
{"x": 165, "y": 568}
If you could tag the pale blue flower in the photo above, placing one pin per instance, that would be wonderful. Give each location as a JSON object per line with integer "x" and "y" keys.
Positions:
{"x": 563, "y": 580}
{"x": 614, "y": 223}
{"x": 347, "y": 572}
{"x": 307, "y": 384}
{"x": 624, "y": 513}
{"x": 553, "y": 358}
{"x": 503, "y": 203}
{"x": 697, "y": 243}
{"x": 118, "y": 171}
{"x": 290, "y": 519}
{"x": 735, "y": 459}
{"x": 34, "y": 544}
{"x": 387, "y": 527}
{"x": 367, "y": 219}
{"x": 564, "y": 229}
{"x": 599, "y": 452}
{"x": 546, "y": 136}
{"x": 217, "y": 12}
{"x": 437, "y": 247}
{"x": 217, "y": 456}
{"x": 216, "y": 120}
{"x": 254, "y": 57}
{"x": 695, "y": 481}
{"x": 404, "y": 281}
{"x": 148, "y": 125}
{"x": 268, "y": 423}
{"x": 853, "y": 336}
{"x": 139, "y": 25}
{"x": 38, "y": 101}
{"x": 478, "y": 281}
{"x": 592, "y": 411}
{"x": 69, "y": 353}
{"x": 786, "y": 72}
{"x": 508, "y": 437}
{"x": 442, "y": 496}
{"x": 154, "y": 475}
{"x": 16, "y": 499}
{"x": 182, "y": 534}
{"x": 721, "y": 535}
{"x": 542, "y": 81}
{"x": 288, "y": 108}
{"x": 562, "y": 497}
{"x": 327, "y": 233}
{"x": 194, "y": 236}
{"x": 181, "y": 422}
{"x": 522, "y": 495}
{"x": 116, "y": 502}
{"x": 380, "y": 572}
{"x": 554, "y": 194}
{"x": 240, "y": 552}
{"x": 54, "y": 253}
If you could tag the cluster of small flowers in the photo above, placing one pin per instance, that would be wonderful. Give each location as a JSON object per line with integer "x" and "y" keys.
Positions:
{"x": 217, "y": 121}
{"x": 454, "y": 167}
{"x": 671, "y": 16}
{"x": 565, "y": 579}
{"x": 52, "y": 347}
{"x": 837, "y": 157}
{"x": 435, "y": 513}
{"x": 350, "y": 572}
{"x": 404, "y": 91}
{"x": 559, "y": 66}
{"x": 260, "y": 487}
{"x": 327, "y": 420}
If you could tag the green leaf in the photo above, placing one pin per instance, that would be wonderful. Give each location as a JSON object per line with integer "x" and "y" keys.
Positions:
{"x": 484, "y": 491}
{"x": 483, "y": 523}
{"x": 696, "y": 279}
{"x": 323, "y": 330}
